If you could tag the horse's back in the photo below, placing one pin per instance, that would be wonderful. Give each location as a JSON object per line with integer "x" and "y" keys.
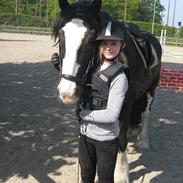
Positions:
{"x": 155, "y": 43}
{"x": 147, "y": 36}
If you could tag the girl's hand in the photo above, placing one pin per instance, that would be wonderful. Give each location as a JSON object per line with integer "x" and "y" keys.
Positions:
{"x": 85, "y": 115}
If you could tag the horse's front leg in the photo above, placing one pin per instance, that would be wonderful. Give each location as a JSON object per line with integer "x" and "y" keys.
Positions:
{"x": 121, "y": 174}
{"x": 143, "y": 138}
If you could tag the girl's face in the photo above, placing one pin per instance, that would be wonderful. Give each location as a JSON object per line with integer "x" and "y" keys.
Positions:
{"x": 110, "y": 49}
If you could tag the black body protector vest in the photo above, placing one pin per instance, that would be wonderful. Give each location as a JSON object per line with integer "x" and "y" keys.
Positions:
{"x": 96, "y": 96}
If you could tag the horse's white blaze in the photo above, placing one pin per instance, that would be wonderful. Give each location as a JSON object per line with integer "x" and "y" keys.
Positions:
{"x": 74, "y": 32}
{"x": 143, "y": 139}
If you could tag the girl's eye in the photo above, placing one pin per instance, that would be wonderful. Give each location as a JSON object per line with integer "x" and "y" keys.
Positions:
{"x": 114, "y": 43}
{"x": 104, "y": 43}
{"x": 111, "y": 43}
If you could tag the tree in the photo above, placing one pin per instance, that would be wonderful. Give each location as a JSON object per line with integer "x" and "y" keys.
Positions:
{"x": 115, "y": 8}
{"x": 137, "y": 10}
{"x": 7, "y": 6}
{"x": 132, "y": 10}
{"x": 145, "y": 11}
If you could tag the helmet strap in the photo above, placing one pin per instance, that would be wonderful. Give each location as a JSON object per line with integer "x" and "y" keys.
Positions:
{"x": 110, "y": 60}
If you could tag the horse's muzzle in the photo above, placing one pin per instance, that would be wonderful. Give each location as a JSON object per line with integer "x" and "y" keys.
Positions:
{"x": 67, "y": 98}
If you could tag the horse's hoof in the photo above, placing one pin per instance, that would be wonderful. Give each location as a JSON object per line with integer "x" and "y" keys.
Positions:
{"x": 142, "y": 145}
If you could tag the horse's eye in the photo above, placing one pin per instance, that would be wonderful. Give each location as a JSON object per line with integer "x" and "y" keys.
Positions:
{"x": 62, "y": 43}
{"x": 90, "y": 36}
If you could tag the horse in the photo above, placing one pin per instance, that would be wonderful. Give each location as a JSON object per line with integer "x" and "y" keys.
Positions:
{"x": 76, "y": 28}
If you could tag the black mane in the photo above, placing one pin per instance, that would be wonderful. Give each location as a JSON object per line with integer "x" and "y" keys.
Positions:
{"x": 79, "y": 10}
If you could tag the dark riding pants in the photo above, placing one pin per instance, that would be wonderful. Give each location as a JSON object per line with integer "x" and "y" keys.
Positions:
{"x": 100, "y": 154}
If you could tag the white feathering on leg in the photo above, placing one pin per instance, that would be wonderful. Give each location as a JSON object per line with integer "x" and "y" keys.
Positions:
{"x": 121, "y": 174}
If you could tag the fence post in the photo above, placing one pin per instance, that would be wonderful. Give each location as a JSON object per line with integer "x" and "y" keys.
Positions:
{"x": 164, "y": 38}
{"x": 161, "y": 37}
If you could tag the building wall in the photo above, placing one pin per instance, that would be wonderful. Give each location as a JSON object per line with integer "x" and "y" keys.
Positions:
{"x": 171, "y": 79}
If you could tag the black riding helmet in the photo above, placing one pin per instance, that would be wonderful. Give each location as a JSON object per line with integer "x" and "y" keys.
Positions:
{"x": 112, "y": 30}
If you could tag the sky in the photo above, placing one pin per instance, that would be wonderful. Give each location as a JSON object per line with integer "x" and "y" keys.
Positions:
{"x": 178, "y": 12}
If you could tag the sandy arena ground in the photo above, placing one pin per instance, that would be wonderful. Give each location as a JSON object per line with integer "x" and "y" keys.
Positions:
{"x": 38, "y": 134}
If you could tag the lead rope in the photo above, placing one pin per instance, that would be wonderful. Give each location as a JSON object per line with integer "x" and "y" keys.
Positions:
{"x": 79, "y": 120}
{"x": 79, "y": 108}
{"x": 78, "y": 173}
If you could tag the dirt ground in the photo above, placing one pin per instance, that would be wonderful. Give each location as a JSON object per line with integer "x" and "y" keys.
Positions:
{"x": 39, "y": 135}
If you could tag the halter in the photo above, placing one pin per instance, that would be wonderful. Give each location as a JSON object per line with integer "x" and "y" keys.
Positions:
{"x": 79, "y": 81}
{"x": 74, "y": 79}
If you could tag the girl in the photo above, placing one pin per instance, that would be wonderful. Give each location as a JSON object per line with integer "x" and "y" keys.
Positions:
{"x": 99, "y": 129}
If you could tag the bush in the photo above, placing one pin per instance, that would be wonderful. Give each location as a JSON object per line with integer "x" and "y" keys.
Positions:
{"x": 34, "y": 21}
{"x": 22, "y": 20}
{"x": 147, "y": 26}
{"x": 181, "y": 32}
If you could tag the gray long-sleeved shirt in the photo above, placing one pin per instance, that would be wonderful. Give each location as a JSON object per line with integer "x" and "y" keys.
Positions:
{"x": 103, "y": 124}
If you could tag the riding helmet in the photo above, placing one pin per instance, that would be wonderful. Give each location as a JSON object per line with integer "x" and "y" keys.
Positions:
{"x": 112, "y": 30}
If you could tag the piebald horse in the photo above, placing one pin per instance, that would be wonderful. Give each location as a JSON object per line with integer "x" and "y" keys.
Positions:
{"x": 76, "y": 29}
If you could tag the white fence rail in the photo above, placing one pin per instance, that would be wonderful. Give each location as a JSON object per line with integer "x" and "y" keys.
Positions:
{"x": 175, "y": 41}
{"x": 30, "y": 30}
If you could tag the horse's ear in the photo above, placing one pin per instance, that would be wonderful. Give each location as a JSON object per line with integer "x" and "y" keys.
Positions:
{"x": 63, "y": 4}
{"x": 96, "y": 5}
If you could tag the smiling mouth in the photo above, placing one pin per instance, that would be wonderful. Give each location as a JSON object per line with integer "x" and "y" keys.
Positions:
{"x": 108, "y": 53}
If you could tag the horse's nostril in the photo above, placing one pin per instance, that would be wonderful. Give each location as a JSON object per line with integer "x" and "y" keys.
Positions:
{"x": 61, "y": 95}
{"x": 58, "y": 93}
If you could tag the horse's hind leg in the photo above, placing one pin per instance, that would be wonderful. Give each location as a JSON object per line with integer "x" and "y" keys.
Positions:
{"x": 121, "y": 174}
{"x": 143, "y": 138}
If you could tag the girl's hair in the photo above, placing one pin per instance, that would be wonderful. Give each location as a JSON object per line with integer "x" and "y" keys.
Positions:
{"x": 100, "y": 53}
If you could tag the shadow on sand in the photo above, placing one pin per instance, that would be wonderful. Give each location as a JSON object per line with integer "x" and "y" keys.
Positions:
{"x": 163, "y": 163}
{"x": 36, "y": 130}
{"x": 38, "y": 133}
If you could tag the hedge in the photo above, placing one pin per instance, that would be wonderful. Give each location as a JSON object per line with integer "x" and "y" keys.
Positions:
{"x": 147, "y": 26}
{"x": 181, "y": 32}
{"x": 22, "y": 20}
{"x": 34, "y": 21}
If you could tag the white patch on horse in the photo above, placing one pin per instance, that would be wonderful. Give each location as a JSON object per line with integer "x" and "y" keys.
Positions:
{"x": 121, "y": 174}
{"x": 74, "y": 33}
{"x": 143, "y": 139}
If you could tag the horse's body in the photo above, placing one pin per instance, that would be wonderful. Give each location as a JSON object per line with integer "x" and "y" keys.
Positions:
{"x": 76, "y": 29}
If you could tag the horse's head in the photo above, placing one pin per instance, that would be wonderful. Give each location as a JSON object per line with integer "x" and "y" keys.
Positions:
{"x": 76, "y": 30}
